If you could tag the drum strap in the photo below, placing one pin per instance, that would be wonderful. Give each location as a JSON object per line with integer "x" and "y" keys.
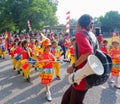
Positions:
{"x": 77, "y": 51}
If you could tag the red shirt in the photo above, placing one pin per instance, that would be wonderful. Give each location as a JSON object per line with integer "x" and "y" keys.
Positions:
{"x": 24, "y": 54}
{"x": 100, "y": 38}
{"x": 84, "y": 47}
{"x": 18, "y": 50}
{"x": 104, "y": 48}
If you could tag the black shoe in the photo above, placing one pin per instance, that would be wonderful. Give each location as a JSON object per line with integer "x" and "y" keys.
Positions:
{"x": 14, "y": 68}
{"x": 28, "y": 79}
{"x": 23, "y": 74}
{"x": 58, "y": 77}
{"x": 36, "y": 69}
{"x": 3, "y": 57}
{"x": 0, "y": 57}
{"x": 18, "y": 72}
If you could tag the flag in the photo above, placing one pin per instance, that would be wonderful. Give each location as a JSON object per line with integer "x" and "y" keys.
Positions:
{"x": 7, "y": 35}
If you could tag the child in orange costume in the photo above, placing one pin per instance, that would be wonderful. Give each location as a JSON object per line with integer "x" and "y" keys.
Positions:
{"x": 56, "y": 52}
{"x": 115, "y": 54}
{"x": 47, "y": 71}
{"x": 24, "y": 62}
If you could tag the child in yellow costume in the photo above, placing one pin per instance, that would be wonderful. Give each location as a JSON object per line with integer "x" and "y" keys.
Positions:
{"x": 12, "y": 53}
{"x": 115, "y": 54}
{"x": 2, "y": 49}
{"x": 18, "y": 53}
{"x": 56, "y": 52}
{"x": 36, "y": 53}
{"x": 47, "y": 71}
{"x": 71, "y": 51}
{"x": 24, "y": 61}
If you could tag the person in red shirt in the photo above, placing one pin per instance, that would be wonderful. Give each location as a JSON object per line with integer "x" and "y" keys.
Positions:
{"x": 99, "y": 35}
{"x": 18, "y": 55}
{"x": 24, "y": 62}
{"x": 12, "y": 54}
{"x": 76, "y": 93}
{"x": 103, "y": 47}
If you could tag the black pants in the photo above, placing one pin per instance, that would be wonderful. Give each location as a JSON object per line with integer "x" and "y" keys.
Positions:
{"x": 64, "y": 51}
{"x": 72, "y": 96}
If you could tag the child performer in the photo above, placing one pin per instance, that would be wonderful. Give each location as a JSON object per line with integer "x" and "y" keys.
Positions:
{"x": 2, "y": 49}
{"x": 36, "y": 53}
{"x": 103, "y": 47}
{"x": 24, "y": 62}
{"x": 115, "y": 54}
{"x": 47, "y": 71}
{"x": 71, "y": 51}
{"x": 12, "y": 54}
{"x": 56, "y": 52}
{"x": 18, "y": 55}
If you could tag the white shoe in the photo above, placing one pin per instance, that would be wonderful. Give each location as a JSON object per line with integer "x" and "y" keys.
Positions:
{"x": 117, "y": 86}
{"x": 111, "y": 81}
{"x": 48, "y": 95}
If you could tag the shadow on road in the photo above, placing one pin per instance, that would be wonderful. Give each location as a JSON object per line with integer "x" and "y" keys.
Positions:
{"x": 108, "y": 95}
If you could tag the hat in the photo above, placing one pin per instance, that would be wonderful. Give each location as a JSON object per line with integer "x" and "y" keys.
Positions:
{"x": 116, "y": 39}
{"x": 46, "y": 42}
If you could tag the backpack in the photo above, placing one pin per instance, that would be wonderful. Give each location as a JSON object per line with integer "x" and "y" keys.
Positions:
{"x": 95, "y": 80}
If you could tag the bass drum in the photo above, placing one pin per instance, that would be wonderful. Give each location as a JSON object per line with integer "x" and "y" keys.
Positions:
{"x": 94, "y": 80}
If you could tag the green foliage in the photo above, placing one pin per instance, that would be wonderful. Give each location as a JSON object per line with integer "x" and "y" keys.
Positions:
{"x": 15, "y": 13}
{"x": 110, "y": 21}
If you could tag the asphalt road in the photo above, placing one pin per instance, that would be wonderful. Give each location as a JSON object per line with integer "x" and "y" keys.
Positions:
{"x": 15, "y": 90}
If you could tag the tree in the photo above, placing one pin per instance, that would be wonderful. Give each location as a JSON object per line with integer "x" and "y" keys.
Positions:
{"x": 110, "y": 21}
{"x": 15, "y": 13}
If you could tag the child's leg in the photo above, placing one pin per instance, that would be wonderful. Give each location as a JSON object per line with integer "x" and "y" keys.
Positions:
{"x": 18, "y": 66}
{"x": 26, "y": 72}
{"x": 14, "y": 61}
{"x": 48, "y": 93}
{"x": 36, "y": 65}
{"x": 117, "y": 81}
{"x": 57, "y": 69}
{"x": 47, "y": 88}
{"x": 3, "y": 54}
{"x": 111, "y": 78}
{"x": 72, "y": 60}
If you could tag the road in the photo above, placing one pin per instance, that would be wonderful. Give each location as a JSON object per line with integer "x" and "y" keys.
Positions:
{"x": 15, "y": 90}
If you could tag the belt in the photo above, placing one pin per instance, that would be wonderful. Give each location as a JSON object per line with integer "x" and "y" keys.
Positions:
{"x": 116, "y": 66}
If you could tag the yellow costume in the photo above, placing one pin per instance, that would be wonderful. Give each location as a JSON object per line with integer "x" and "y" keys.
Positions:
{"x": 57, "y": 54}
{"x": 14, "y": 61}
{"x": 2, "y": 51}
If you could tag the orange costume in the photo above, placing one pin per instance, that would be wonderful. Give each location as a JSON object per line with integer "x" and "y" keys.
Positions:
{"x": 115, "y": 54}
{"x": 47, "y": 70}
